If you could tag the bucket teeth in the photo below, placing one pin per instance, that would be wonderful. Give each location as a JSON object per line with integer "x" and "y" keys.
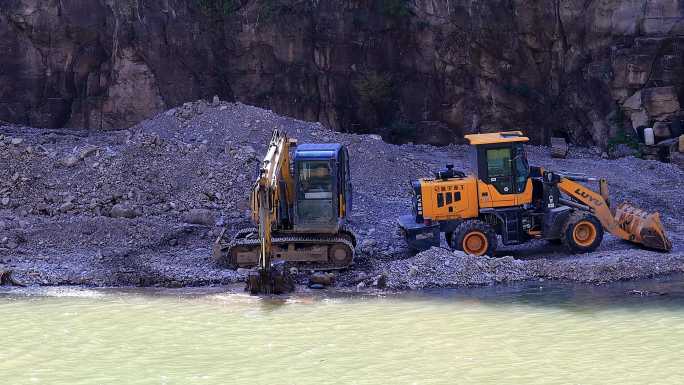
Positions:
{"x": 643, "y": 228}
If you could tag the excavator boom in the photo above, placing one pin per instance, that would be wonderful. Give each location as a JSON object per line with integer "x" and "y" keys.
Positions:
{"x": 626, "y": 221}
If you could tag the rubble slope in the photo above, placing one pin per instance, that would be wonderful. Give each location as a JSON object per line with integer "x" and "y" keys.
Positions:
{"x": 142, "y": 206}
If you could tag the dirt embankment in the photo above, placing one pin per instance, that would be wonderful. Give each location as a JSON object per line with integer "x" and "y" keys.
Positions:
{"x": 142, "y": 206}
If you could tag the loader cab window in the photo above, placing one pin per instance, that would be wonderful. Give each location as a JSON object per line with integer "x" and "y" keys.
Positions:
{"x": 500, "y": 169}
{"x": 505, "y": 168}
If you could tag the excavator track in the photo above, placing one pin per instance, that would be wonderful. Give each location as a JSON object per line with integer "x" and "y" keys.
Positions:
{"x": 305, "y": 251}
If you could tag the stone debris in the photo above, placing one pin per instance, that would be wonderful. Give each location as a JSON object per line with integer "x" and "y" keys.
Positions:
{"x": 440, "y": 267}
{"x": 16, "y": 141}
{"x": 200, "y": 217}
{"x": 87, "y": 151}
{"x": 322, "y": 278}
{"x": 559, "y": 148}
{"x": 123, "y": 210}
{"x": 70, "y": 161}
{"x": 175, "y": 177}
{"x": 6, "y": 279}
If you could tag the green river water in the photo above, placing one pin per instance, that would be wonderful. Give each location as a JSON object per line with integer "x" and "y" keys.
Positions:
{"x": 532, "y": 333}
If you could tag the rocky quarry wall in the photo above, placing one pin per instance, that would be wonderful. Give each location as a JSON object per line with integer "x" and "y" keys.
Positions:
{"x": 425, "y": 70}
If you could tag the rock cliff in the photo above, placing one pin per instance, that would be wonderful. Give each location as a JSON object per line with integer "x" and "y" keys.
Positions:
{"x": 425, "y": 70}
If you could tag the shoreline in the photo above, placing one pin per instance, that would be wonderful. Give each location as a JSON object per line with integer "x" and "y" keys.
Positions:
{"x": 655, "y": 286}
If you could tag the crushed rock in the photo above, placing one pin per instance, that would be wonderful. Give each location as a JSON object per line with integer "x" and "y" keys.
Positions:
{"x": 439, "y": 267}
{"x": 196, "y": 163}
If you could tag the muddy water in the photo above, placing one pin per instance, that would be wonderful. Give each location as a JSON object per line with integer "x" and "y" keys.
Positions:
{"x": 533, "y": 333}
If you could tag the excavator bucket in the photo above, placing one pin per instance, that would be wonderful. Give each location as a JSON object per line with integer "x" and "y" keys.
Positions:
{"x": 276, "y": 280}
{"x": 643, "y": 228}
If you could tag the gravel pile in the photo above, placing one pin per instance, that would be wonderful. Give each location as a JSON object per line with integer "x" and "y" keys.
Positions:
{"x": 142, "y": 206}
{"x": 439, "y": 267}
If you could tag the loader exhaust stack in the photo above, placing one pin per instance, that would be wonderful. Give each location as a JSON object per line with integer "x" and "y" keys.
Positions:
{"x": 643, "y": 228}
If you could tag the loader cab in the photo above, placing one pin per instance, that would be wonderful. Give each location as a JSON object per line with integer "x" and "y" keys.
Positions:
{"x": 501, "y": 167}
{"x": 323, "y": 187}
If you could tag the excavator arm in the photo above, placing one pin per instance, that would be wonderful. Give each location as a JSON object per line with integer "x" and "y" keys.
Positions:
{"x": 274, "y": 175}
{"x": 625, "y": 222}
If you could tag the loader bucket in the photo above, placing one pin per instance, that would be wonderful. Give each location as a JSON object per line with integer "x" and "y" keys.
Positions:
{"x": 643, "y": 228}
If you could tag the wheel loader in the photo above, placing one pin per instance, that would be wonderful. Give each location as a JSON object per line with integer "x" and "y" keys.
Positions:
{"x": 506, "y": 197}
{"x": 300, "y": 203}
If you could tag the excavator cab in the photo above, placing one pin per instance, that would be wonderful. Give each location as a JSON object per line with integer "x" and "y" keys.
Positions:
{"x": 324, "y": 190}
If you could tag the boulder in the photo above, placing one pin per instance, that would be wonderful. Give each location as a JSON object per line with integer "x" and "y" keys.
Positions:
{"x": 677, "y": 158}
{"x": 662, "y": 130}
{"x": 123, "y": 210}
{"x": 200, "y": 217}
{"x": 681, "y": 143}
{"x": 66, "y": 207}
{"x": 245, "y": 152}
{"x": 559, "y": 148}
{"x": 368, "y": 244}
{"x": 633, "y": 103}
{"x": 70, "y": 161}
{"x": 639, "y": 118}
{"x": 186, "y": 112}
{"x": 87, "y": 151}
{"x": 380, "y": 281}
{"x": 660, "y": 101}
{"x": 321, "y": 278}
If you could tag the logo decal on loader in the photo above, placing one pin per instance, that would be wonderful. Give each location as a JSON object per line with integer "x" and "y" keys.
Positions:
{"x": 588, "y": 197}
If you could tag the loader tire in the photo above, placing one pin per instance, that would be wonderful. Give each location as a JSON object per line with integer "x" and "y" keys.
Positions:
{"x": 475, "y": 238}
{"x": 582, "y": 232}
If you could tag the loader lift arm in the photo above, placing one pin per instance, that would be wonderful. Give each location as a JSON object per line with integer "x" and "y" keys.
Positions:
{"x": 625, "y": 222}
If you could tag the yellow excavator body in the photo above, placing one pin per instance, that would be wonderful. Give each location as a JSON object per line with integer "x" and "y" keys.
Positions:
{"x": 300, "y": 203}
{"x": 508, "y": 198}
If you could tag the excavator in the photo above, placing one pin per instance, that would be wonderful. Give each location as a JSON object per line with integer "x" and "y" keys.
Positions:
{"x": 300, "y": 203}
{"x": 506, "y": 197}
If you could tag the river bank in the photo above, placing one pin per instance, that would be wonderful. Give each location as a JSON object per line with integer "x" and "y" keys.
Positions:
{"x": 141, "y": 207}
